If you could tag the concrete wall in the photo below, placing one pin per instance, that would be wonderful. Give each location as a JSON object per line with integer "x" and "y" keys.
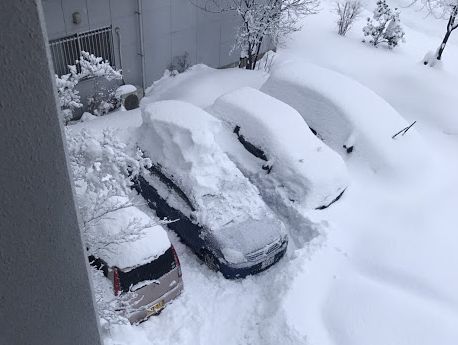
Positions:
{"x": 171, "y": 28}
{"x": 45, "y": 292}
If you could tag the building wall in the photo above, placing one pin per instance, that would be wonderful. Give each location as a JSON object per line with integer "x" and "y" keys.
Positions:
{"x": 170, "y": 28}
{"x": 45, "y": 292}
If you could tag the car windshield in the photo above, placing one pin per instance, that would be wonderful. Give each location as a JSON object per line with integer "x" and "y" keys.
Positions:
{"x": 249, "y": 236}
{"x": 150, "y": 271}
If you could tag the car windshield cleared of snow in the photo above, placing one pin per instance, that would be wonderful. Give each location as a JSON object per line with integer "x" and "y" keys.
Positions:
{"x": 150, "y": 271}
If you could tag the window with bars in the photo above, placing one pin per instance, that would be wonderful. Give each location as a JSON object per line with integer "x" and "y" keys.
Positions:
{"x": 65, "y": 51}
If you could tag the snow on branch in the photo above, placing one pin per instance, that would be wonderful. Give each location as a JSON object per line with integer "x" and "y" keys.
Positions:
{"x": 260, "y": 19}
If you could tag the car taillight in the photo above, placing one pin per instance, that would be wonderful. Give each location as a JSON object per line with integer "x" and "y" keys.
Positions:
{"x": 116, "y": 282}
{"x": 177, "y": 261}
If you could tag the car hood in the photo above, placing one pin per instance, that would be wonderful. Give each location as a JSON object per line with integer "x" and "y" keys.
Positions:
{"x": 249, "y": 236}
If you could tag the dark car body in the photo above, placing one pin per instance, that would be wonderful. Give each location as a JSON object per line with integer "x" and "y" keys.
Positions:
{"x": 200, "y": 238}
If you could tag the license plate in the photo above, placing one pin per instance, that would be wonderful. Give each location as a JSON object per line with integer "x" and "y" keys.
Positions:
{"x": 268, "y": 262}
{"x": 155, "y": 308}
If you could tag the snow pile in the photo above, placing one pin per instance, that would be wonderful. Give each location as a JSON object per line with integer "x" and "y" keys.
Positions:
{"x": 129, "y": 251}
{"x": 201, "y": 85}
{"x": 301, "y": 168}
{"x": 181, "y": 138}
{"x": 345, "y": 113}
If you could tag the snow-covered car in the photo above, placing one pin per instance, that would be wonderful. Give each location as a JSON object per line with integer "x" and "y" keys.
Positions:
{"x": 362, "y": 128}
{"x": 142, "y": 265}
{"x": 273, "y": 146}
{"x": 213, "y": 207}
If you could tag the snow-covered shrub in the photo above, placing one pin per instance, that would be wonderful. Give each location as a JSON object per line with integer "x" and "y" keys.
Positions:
{"x": 347, "y": 12}
{"x": 95, "y": 67}
{"x": 180, "y": 63}
{"x": 384, "y": 26}
{"x": 69, "y": 98}
{"x": 87, "y": 66}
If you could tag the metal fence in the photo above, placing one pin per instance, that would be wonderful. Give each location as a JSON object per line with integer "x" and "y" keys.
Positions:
{"x": 65, "y": 51}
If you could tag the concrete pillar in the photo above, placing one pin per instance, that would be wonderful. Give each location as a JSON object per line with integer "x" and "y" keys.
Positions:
{"x": 45, "y": 293}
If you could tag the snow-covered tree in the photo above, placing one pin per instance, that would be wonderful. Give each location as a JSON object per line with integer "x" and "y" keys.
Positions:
{"x": 260, "y": 19}
{"x": 69, "y": 98}
{"x": 102, "y": 168}
{"x": 441, "y": 9}
{"x": 347, "y": 12}
{"x": 384, "y": 26}
{"x": 101, "y": 171}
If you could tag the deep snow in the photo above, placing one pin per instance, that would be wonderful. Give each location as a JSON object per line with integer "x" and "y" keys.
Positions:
{"x": 383, "y": 269}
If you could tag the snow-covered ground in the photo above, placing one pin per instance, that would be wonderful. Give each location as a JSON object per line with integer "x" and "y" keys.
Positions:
{"x": 383, "y": 270}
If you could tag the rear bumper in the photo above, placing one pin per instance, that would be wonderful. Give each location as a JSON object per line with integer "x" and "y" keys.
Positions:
{"x": 233, "y": 272}
{"x": 143, "y": 315}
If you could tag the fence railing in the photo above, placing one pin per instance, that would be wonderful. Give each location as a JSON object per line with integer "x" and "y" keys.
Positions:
{"x": 65, "y": 51}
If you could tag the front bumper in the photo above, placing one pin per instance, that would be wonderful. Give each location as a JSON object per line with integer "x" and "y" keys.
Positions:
{"x": 235, "y": 272}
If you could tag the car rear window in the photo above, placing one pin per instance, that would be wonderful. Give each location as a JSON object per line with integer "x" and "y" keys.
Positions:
{"x": 150, "y": 271}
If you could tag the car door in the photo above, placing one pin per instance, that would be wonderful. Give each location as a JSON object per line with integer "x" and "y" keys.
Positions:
{"x": 172, "y": 204}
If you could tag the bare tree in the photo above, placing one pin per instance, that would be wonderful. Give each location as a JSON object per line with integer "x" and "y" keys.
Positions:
{"x": 441, "y": 9}
{"x": 347, "y": 12}
{"x": 260, "y": 19}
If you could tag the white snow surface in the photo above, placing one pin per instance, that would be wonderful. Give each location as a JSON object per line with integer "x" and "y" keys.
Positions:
{"x": 383, "y": 270}
{"x": 181, "y": 138}
{"x": 303, "y": 169}
{"x": 150, "y": 244}
{"x": 202, "y": 85}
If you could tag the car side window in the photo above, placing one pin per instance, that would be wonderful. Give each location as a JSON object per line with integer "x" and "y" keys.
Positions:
{"x": 253, "y": 149}
{"x": 175, "y": 190}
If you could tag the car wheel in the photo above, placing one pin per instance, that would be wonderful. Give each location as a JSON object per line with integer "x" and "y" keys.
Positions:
{"x": 211, "y": 261}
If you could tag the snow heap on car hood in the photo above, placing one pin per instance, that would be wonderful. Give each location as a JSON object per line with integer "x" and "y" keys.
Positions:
{"x": 303, "y": 169}
{"x": 181, "y": 138}
{"x": 128, "y": 249}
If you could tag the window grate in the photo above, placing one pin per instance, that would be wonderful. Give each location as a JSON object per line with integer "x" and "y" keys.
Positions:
{"x": 65, "y": 51}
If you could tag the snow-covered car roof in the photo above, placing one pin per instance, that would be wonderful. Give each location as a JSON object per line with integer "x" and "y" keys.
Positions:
{"x": 299, "y": 165}
{"x": 129, "y": 249}
{"x": 181, "y": 138}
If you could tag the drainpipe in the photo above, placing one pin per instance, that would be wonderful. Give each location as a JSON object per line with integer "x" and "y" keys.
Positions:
{"x": 118, "y": 34}
{"x": 142, "y": 45}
